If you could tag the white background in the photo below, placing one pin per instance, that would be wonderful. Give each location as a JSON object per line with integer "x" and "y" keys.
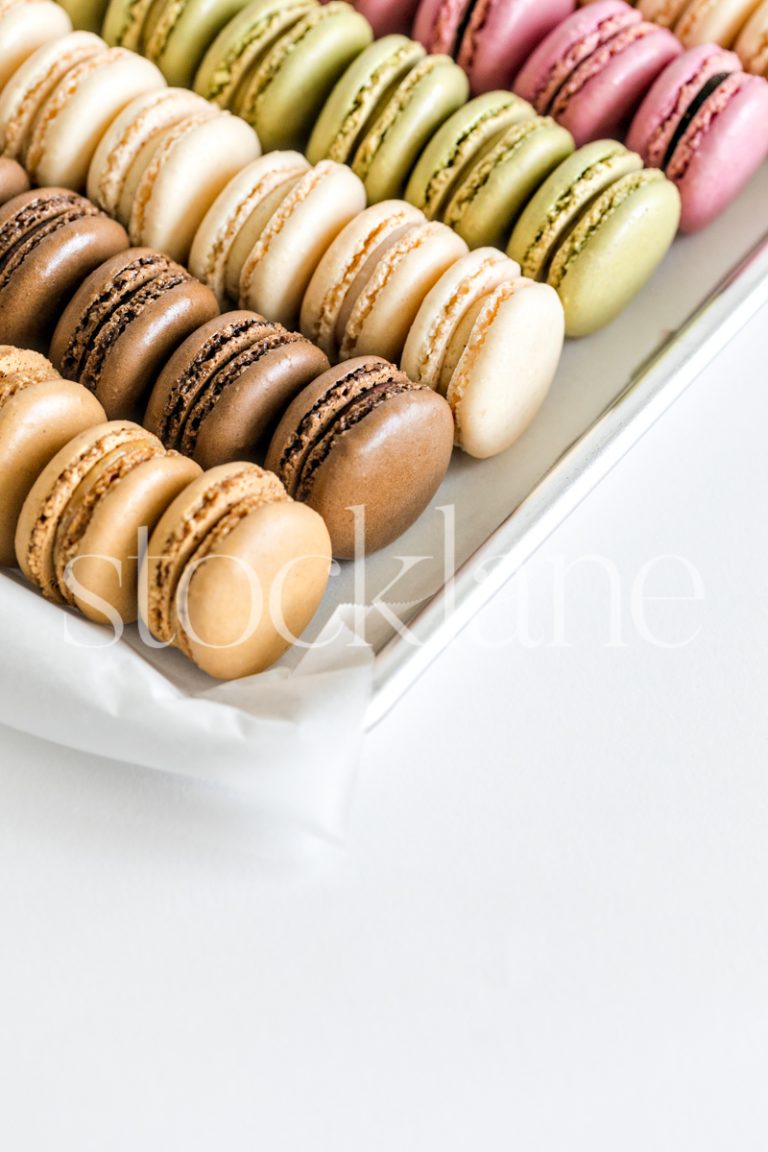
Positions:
{"x": 549, "y": 929}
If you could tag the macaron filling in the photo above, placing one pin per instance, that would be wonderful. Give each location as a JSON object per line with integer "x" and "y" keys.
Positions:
{"x": 709, "y": 88}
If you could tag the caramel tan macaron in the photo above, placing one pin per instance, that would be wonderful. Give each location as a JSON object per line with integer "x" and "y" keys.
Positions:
{"x": 124, "y": 322}
{"x": 489, "y": 341}
{"x": 370, "y": 284}
{"x": 13, "y": 180}
{"x": 235, "y": 571}
{"x": 39, "y": 414}
{"x": 24, "y": 26}
{"x": 221, "y": 394}
{"x": 271, "y": 228}
{"x": 79, "y": 532}
{"x": 364, "y": 436}
{"x": 50, "y": 240}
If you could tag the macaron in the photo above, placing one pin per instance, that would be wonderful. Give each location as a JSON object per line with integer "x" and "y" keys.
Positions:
{"x": 237, "y": 218}
{"x": 285, "y": 89}
{"x": 372, "y": 281}
{"x": 176, "y": 33}
{"x": 50, "y": 240}
{"x": 366, "y": 448}
{"x": 491, "y": 39}
{"x": 130, "y": 143}
{"x": 488, "y": 200}
{"x": 752, "y": 44}
{"x": 235, "y": 571}
{"x": 596, "y": 230}
{"x": 387, "y": 16}
{"x": 124, "y": 323}
{"x": 592, "y": 72}
{"x": 13, "y": 180}
{"x": 178, "y": 171}
{"x": 458, "y": 144}
{"x": 705, "y": 22}
{"x": 366, "y": 83}
{"x": 403, "y": 124}
{"x": 221, "y": 394}
{"x": 705, "y": 124}
{"x": 86, "y": 14}
{"x": 25, "y": 25}
{"x": 490, "y": 341}
{"x": 241, "y": 44}
{"x": 79, "y": 532}
{"x": 34, "y": 82}
{"x": 71, "y": 120}
{"x": 288, "y": 235}
{"x": 39, "y": 414}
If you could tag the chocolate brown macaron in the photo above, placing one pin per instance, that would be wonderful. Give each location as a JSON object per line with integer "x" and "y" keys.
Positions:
{"x": 50, "y": 240}
{"x": 124, "y": 322}
{"x": 221, "y": 394}
{"x": 364, "y": 435}
{"x": 78, "y": 535}
{"x": 39, "y": 413}
{"x": 234, "y": 572}
{"x": 13, "y": 179}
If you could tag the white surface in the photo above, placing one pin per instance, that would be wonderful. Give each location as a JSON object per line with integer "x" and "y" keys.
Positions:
{"x": 549, "y": 930}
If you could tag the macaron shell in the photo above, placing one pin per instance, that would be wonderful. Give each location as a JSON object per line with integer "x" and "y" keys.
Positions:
{"x": 724, "y": 146}
{"x": 614, "y": 249}
{"x": 354, "y": 100}
{"x": 386, "y": 16}
{"x": 112, "y": 538}
{"x": 309, "y": 59}
{"x": 501, "y": 35}
{"x": 486, "y": 205}
{"x": 13, "y": 180}
{"x": 34, "y": 82}
{"x": 432, "y": 92}
{"x": 506, "y": 371}
{"x": 713, "y": 21}
{"x": 192, "y": 165}
{"x": 79, "y": 111}
{"x": 246, "y": 413}
{"x": 752, "y": 44}
{"x": 458, "y": 144}
{"x": 25, "y": 27}
{"x": 392, "y": 462}
{"x": 386, "y": 308}
{"x": 241, "y": 43}
{"x": 35, "y": 424}
{"x": 278, "y": 270}
{"x": 178, "y": 37}
{"x": 243, "y": 607}
{"x": 86, "y": 14}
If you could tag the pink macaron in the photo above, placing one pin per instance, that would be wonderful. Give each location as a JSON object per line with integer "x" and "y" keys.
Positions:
{"x": 387, "y": 16}
{"x": 705, "y": 123}
{"x": 490, "y": 39}
{"x": 592, "y": 72}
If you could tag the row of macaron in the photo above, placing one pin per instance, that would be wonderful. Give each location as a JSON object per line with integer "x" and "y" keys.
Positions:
{"x": 381, "y": 281}
{"x": 221, "y": 564}
{"x": 308, "y": 77}
{"x": 186, "y": 177}
{"x": 492, "y": 38}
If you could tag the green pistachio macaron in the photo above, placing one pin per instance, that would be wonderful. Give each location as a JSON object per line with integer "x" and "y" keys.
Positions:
{"x": 86, "y": 15}
{"x": 596, "y": 231}
{"x": 487, "y": 202}
{"x": 242, "y": 43}
{"x": 418, "y": 107}
{"x": 353, "y": 103}
{"x": 458, "y": 144}
{"x": 176, "y": 33}
{"x": 286, "y": 89}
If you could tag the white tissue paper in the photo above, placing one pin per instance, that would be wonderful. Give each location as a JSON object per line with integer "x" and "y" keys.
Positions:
{"x": 288, "y": 740}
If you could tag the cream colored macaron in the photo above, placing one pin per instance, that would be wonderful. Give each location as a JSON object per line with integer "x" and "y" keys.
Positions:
{"x": 490, "y": 341}
{"x": 74, "y": 117}
{"x": 192, "y": 163}
{"x": 371, "y": 283}
{"x": 24, "y": 26}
